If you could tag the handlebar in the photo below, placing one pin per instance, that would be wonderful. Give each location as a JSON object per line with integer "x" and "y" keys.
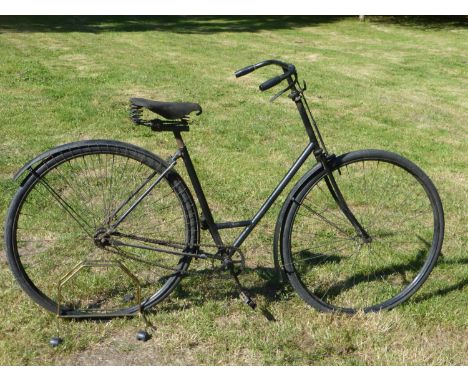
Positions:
{"x": 273, "y": 81}
{"x": 244, "y": 71}
{"x": 288, "y": 69}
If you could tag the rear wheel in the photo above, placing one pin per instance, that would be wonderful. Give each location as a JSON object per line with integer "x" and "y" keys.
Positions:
{"x": 61, "y": 216}
{"x": 331, "y": 266}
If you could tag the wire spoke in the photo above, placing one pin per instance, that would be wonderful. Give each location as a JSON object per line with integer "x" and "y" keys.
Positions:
{"x": 86, "y": 186}
{"x": 352, "y": 272}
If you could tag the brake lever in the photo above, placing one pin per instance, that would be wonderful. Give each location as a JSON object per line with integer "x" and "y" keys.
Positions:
{"x": 303, "y": 89}
{"x": 272, "y": 99}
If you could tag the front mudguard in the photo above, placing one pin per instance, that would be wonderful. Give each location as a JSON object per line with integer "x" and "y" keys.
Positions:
{"x": 317, "y": 169}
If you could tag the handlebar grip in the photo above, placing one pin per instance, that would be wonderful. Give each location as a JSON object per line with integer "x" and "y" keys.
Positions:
{"x": 271, "y": 82}
{"x": 244, "y": 71}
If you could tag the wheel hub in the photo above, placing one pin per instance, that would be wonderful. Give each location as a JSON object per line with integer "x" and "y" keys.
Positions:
{"x": 101, "y": 237}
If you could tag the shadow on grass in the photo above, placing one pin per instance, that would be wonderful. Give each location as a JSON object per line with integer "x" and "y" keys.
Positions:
{"x": 442, "y": 292}
{"x": 176, "y": 24}
{"x": 269, "y": 287}
{"x": 449, "y": 288}
{"x": 221, "y": 285}
{"x": 205, "y": 24}
{"x": 206, "y": 285}
{"x": 423, "y": 22}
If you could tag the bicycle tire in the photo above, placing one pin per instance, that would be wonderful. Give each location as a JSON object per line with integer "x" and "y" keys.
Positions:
{"x": 112, "y": 169}
{"x": 325, "y": 274}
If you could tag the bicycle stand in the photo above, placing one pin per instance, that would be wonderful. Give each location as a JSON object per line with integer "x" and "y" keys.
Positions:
{"x": 97, "y": 313}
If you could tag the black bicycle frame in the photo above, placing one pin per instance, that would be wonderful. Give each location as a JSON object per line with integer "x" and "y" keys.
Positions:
{"x": 249, "y": 224}
{"x": 208, "y": 222}
{"x": 207, "y": 217}
{"x": 312, "y": 148}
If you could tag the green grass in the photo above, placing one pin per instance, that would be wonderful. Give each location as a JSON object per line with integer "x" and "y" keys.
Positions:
{"x": 398, "y": 84}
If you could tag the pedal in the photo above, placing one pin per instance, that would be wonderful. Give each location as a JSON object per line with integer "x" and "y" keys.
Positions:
{"x": 247, "y": 300}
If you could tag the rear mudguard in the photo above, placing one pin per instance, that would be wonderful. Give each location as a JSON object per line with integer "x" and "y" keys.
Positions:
{"x": 59, "y": 150}
{"x": 317, "y": 169}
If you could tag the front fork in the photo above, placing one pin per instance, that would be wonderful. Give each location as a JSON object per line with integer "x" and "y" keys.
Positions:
{"x": 297, "y": 95}
{"x": 338, "y": 197}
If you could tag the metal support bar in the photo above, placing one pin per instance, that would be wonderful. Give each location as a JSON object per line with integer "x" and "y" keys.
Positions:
{"x": 118, "y": 243}
{"x": 274, "y": 195}
{"x": 340, "y": 200}
{"x": 154, "y": 184}
{"x": 95, "y": 264}
{"x": 117, "y": 210}
{"x": 198, "y": 190}
{"x": 227, "y": 225}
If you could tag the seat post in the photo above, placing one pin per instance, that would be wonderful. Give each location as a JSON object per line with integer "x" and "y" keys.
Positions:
{"x": 179, "y": 140}
{"x": 206, "y": 211}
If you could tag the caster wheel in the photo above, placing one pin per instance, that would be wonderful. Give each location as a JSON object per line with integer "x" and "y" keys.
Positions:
{"x": 55, "y": 341}
{"x": 143, "y": 336}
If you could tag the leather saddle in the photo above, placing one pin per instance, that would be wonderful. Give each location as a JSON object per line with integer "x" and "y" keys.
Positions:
{"x": 168, "y": 110}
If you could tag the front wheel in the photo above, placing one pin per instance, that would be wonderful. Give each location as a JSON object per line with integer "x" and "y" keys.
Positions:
{"x": 331, "y": 265}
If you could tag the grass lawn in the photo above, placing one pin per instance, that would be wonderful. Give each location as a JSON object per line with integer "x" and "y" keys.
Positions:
{"x": 398, "y": 84}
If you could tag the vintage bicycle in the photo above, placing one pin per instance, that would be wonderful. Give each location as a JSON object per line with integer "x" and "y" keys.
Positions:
{"x": 101, "y": 228}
